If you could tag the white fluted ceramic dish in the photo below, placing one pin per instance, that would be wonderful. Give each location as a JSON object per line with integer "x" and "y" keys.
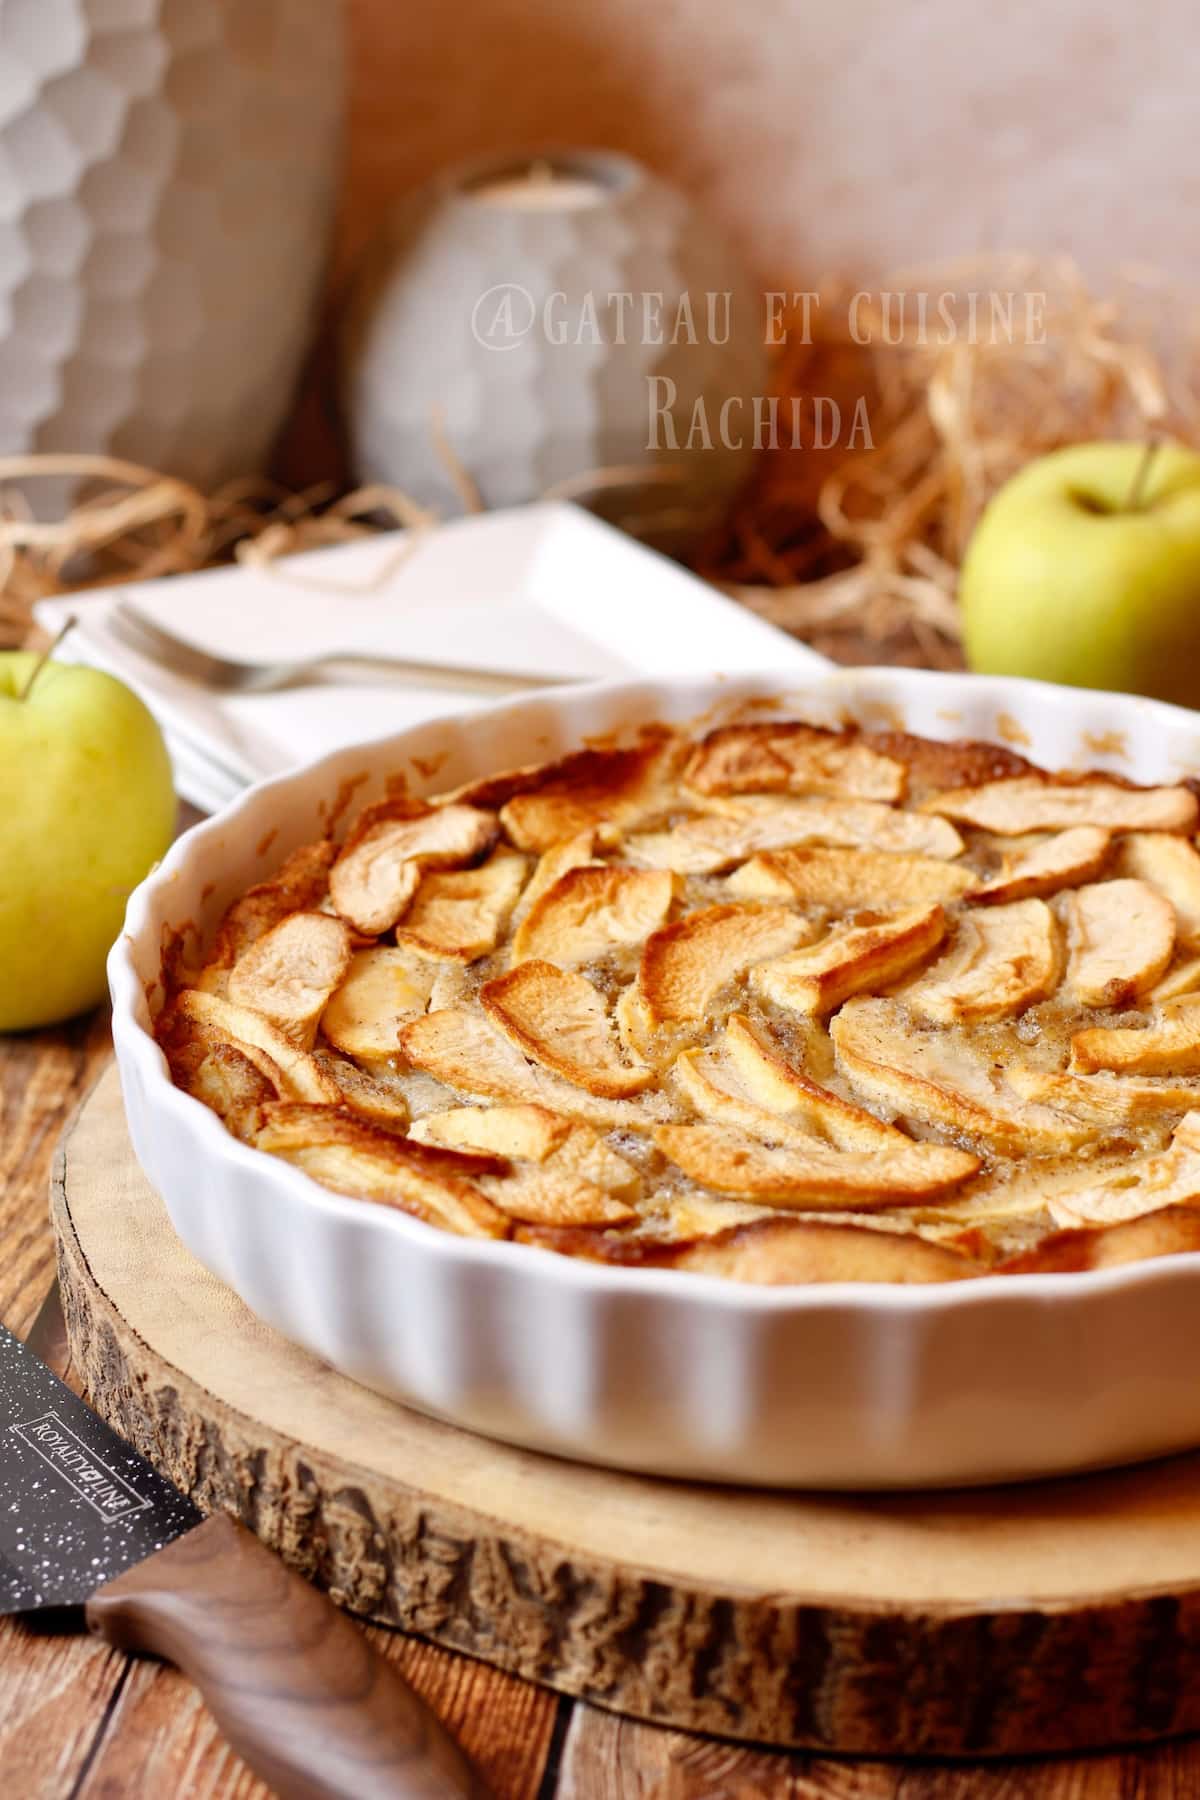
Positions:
{"x": 845, "y": 1385}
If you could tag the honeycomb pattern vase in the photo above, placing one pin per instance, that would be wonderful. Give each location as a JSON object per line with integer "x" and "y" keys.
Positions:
{"x": 535, "y": 332}
{"x": 167, "y": 177}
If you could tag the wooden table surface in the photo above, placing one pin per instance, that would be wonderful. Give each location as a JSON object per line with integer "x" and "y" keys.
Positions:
{"x": 79, "y": 1720}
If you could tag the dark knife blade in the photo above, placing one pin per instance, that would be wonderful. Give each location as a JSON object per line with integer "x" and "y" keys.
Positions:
{"x": 302, "y": 1693}
{"x": 77, "y": 1504}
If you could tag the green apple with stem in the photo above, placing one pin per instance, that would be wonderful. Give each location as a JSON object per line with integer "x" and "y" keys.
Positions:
{"x": 1085, "y": 569}
{"x": 86, "y": 808}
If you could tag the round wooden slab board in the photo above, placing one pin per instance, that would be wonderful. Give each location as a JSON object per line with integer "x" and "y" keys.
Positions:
{"x": 1053, "y": 1616}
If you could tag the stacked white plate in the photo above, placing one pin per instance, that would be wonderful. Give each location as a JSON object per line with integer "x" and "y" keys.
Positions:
{"x": 545, "y": 589}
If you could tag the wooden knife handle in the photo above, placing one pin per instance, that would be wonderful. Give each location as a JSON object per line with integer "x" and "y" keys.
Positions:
{"x": 297, "y": 1689}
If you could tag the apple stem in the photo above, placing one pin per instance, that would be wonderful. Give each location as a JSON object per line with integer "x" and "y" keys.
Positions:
{"x": 44, "y": 658}
{"x": 1137, "y": 487}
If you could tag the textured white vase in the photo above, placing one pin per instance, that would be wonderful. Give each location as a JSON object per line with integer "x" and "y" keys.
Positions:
{"x": 167, "y": 176}
{"x": 496, "y": 318}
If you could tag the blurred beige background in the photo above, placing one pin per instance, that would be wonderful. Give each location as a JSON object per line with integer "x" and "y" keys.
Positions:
{"x": 838, "y": 136}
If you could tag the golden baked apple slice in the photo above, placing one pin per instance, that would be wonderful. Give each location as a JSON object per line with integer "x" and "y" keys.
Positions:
{"x": 225, "y": 1078}
{"x": 576, "y": 1178}
{"x": 379, "y": 870}
{"x": 936, "y": 1077}
{"x": 709, "y": 843}
{"x": 578, "y": 852}
{"x": 1033, "y": 803}
{"x": 374, "y": 1094}
{"x": 999, "y": 962}
{"x": 587, "y": 789}
{"x": 1064, "y": 860}
{"x": 469, "y": 1054}
{"x": 1105, "y": 1099}
{"x": 295, "y": 1073}
{"x": 300, "y": 885}
{"x": 1122, "y": 935}
{"x": 806, "y": 1173}
{"x": 850, "y": 880}
{"x": 589, "y": 911}
{"x": 1172, "y": 865}
{"x": 750, "y": 1085}
{"x": 791, "y": 758}
{"x": 459, "y": 915}
{"x": 1183, "y": 979}
{"x": 1170, "y": 1178}
{"x": 385, "y": 986}
{"x": 1169, "y": 1045}
{"x": 817, "y": 980}
{"x": 685, "y": 965}
{"x": 559, "y": 1019}
{"x": 353, "y": 1158}
{"x": 289, "y": 973}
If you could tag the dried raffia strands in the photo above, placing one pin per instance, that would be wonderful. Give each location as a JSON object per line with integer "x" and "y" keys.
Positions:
{"x": 857, "y": 550}
{"x": 135, "y": 523}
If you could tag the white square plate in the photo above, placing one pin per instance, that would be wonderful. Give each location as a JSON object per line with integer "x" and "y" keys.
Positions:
{"x": 545, "y": 588}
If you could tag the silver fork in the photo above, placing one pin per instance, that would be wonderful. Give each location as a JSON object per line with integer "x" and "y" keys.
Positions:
{"x": 227, "y": 674}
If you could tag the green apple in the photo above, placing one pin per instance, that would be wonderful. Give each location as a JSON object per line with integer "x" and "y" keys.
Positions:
{"x": 1085, "y": 569}
{"x": 86, "y": 808}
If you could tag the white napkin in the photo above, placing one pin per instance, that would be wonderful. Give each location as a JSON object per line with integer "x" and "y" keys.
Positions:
{"x": 544, "y": 589}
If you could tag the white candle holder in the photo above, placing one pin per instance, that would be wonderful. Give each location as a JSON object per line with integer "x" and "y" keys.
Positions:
{"x": 570, "y": 323}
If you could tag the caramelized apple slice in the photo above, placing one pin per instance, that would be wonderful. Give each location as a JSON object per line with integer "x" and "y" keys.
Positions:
{"x": 299, "y": 886}
{"x": 791, "y": 758}
{"x": 999, "y": 962}
{"x": 468, "y": 1053}
{"x": 384, "y": 988}
{"x": 559, "y": 1019}
{"x": 1170, "y": 1178}
{"x": 1033, "y": 803}
{"x": 530, "y": 1132}
{"x": 353, "y": 1158}
{"x": 289, "y": 973}
{"x": 806, "y": 1173}
{"x": 1122, "y": 940}
{"x": 851, "y": 880}
{"x": 227, "y": 1080}
{"x": 378, "y": 872}
{"x": 775, "y": 1083}
{"x": 1105, "y": 1099}
{"x": 936, "y": 1077}
{"x": 458, "y": 915}
{"x": 589, "y": 789}
{"x": 708, "y": 843}
{"x": 1063, "y": 860}
{"x": 819, "y": 979}
{"x": 578, "y": 852}
{"x": 373, "y": 1094}
{"x": 576, "y": 1178}
{"x": 685, "y": 965}
{"x": 1170, "y": 1045}
{"x": 295, "y": 1074}
{"x": 589, "y": 911}
{"x": 1172, "y": 866}
{"x": 1183, "y": 979}
{"x": 751, "y": 1085}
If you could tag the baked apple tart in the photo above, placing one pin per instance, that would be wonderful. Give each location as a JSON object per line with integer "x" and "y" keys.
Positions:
{"x": 775, "y": 1003}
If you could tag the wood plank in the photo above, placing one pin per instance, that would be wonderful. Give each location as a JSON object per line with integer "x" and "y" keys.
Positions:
{"x": 54, "y": 1693}
{"x": 610, "y": 1758}
{"x": 160, "y": 1738}
{"x": 43, "y": 1076}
